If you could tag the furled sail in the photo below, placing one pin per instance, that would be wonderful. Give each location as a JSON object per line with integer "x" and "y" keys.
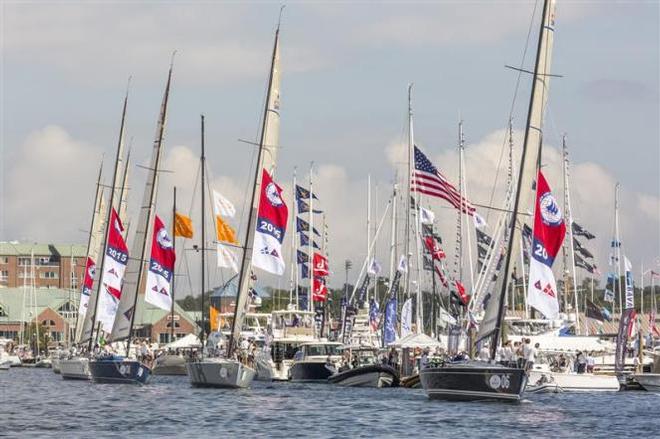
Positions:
{"x": 530, "y": 158}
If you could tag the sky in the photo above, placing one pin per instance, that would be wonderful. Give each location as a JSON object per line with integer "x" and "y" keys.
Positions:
{"x": 345, "y": 71}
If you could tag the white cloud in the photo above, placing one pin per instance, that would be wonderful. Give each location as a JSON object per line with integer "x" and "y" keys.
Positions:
{"x": 49, "y": 187}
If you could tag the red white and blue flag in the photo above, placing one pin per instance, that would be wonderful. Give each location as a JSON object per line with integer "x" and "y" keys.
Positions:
{"x": 271, "y": 227}
{"x": 88, "y": 282}
{"x": 114, "y": 265}
{"x": 161, "y": 268}
{"x": 548, "y": 235}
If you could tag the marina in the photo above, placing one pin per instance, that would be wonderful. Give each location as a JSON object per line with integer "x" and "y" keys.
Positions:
{"x": 465, "y": 288}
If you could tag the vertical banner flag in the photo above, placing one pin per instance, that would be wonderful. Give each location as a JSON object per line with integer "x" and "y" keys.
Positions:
{"x": 362, "y": 291}
{"x": 88, "y": 282}
{"x": 222, "y": 207}
{"x": 389, "y": 330}
{"x": 320, "y": 265}
{"x": 374, "y": 267}
{"x": 114, "y": 265}
{"x": 406, "y": 318}
{"x": 434, "y": 248}
{"x": 549, "y": 231}
{"x": 630, "y": 292}
{"x": 271, "y": 226}
{"x": 161, "y": 268}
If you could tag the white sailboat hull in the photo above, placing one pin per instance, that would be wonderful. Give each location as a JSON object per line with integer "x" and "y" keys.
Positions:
{"x": 217, "y": 372}
{"x": 649, "y": 381}
{"x": 75, "y": 369}
{"x": 570, "y": 382}
{"x": 5, "y": 365}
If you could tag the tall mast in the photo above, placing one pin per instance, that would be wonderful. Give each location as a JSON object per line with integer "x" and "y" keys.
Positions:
{"x": 409, "y": 183}
{"x": 114, "y": 192}
{"x": 202, "y": 162}
{"x": 568, "y": 219}
{"x": 368, "y": 224}
{"x": 393, "y": 234}
{"x": 617, "y": 249}
{"x": 173, "y": 268}
{"x": 122, "y": 328}
{"x": 311, "y": 241}
{"x": 294, "y": 250}
{"x": 491, "y": 324}
{"x": 266, "y": 159}
{"x": 92, "y": 230}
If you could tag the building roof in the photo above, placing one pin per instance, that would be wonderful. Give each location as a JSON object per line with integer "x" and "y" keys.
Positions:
{"x": 14, "y": 248}
{"x": 12, "y": 300}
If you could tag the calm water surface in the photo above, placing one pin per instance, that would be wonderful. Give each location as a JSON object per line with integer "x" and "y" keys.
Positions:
{"x": 36, "y": 402}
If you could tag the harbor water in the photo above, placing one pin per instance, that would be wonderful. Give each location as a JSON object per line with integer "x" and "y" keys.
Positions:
{"x": 37, "y": 402}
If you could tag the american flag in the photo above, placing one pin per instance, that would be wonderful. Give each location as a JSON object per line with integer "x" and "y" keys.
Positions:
{"x": 426, "y": 179}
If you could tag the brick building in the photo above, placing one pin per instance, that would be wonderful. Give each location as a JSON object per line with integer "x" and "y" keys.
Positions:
{"x": 48, "y": 265}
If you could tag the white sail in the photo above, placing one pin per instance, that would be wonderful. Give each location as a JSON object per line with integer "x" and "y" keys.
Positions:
{"x": 134, "y": 279}
{"x": 93, "y": 245}
{"x": 99, "y": 247}
{"x": 270, "y": 137}
{"x": 529, "y": 161}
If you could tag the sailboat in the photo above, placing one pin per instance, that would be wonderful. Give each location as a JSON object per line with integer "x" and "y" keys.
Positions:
{"x": 77, "y": 366}
{"x": 229, "y": 371}
{"x": 481, "y": 380}
{"x": 113, "y": 368}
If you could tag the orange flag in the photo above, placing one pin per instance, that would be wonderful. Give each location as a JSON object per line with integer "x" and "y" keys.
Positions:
{"x": 225, "y": 232}
{"x": 183, "y": 226}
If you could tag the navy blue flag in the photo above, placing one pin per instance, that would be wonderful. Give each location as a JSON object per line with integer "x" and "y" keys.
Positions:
{"x": 579, "y": 231}
{"x": 615, "y": 243}
{"x": 302, "y": 257}
{"x": 389, "y": 329}
{"x": 580, "y": 248}
{"x": 302, "y": 298}
{"x": 302, "y": 193}
{"x": 304, "y": 241}
{"x": 304, "y": 271}
{"x": 303, "y": 207}
{"x": 362, "y": 291}
{"x": 428, "y": 264}
{"x": 303, "y": 226}
{"x": 483, "y": 238}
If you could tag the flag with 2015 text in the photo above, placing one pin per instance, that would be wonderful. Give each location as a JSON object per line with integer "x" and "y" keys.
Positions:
{"x": 271, "y": 227}
{"x": 161, "y": 268}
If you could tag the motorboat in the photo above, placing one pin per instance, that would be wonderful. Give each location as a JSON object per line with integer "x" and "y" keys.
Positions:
{"x": 220, "y": 372}
{"x": 366, "y": 371}
{"x": 289, "y": 329}
{"x": 473, "y": 380}
{"x": 316, "y": 361}
{"x": 543, "y": 379}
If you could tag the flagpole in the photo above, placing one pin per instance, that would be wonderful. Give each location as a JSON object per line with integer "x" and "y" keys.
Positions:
{"x": 641, "y": 295}
{"x": 410, "y": 159}
{"x": 618, "y": 245}
{"x": 311, "y": 240}
{"x": 568, "y": 214}
{"x": 202, "y": 160}
{"x": 174, "y": 266}
{"x": 294, "y": 252}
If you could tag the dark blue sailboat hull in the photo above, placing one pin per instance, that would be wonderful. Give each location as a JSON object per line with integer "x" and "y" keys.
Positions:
{"x": 117, "y": 370}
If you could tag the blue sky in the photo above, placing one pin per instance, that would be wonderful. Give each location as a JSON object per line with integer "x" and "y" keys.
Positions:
{"x": 345, "y": 69}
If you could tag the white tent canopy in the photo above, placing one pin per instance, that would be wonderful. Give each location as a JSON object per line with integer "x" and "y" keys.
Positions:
{"x": 189, "y": 341}
{"x": 417, "y": 341}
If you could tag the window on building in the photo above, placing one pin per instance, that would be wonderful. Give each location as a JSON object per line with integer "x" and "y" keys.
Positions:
{"x": 74, "y": 280}
{"x": 68, "y": 311}
{"x": 48, "y": 322}
{"x": 44, "y": 260}
{"x": 3, "y": 313}
{"x": 24, "y": 262}
{"x": 176, "y": 325}
{"x": 49, "y": 275}
{"x": 4, "y": 275}
{"x": 164, "y": 338}
{"x": 25, "y": 274}
{"x": 4, "y": 259}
